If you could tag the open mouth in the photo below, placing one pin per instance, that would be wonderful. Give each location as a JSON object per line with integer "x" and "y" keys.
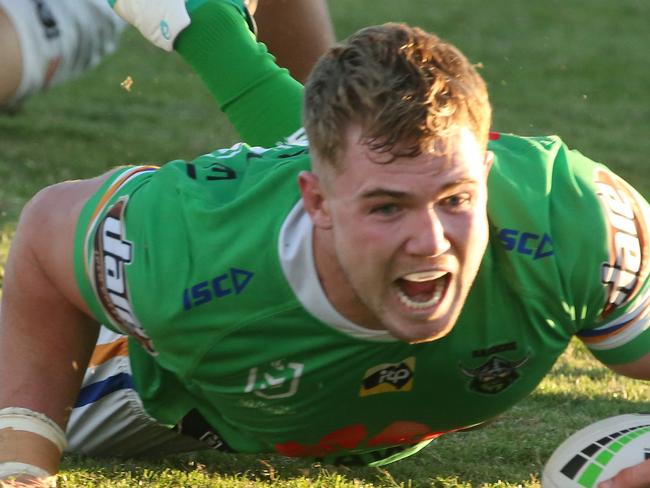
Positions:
{"x": 423, "y": 290}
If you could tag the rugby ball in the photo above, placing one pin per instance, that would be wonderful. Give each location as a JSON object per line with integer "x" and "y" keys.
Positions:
{"x": 599, "y": 451}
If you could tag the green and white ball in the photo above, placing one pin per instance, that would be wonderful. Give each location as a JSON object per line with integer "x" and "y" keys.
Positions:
{"x": 599, "y": 451}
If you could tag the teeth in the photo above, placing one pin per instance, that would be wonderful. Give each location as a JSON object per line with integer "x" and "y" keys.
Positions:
{"x": 437, "y": 295}
{"x": 424, "y": 276}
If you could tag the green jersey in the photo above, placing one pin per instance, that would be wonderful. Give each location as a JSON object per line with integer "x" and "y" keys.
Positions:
{"x": 207, "y": 265}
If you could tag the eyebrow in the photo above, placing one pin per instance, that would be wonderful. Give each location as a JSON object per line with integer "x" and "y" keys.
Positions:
{"x": 383, "y": 192}
{"x": 386, "y": 192}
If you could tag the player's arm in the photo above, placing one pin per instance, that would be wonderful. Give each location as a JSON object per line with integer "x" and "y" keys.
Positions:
{"x": 262, "y": 100}
{"x": 603, "y": 254}
{"x": 618, "y": 333}
{"x": 46, "y": 334}
{"x": 639, "y": 369}
{"x": 621, "y": 338}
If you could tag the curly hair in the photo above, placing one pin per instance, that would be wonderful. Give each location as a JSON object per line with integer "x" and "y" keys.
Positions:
{"x": 406, "y": 88}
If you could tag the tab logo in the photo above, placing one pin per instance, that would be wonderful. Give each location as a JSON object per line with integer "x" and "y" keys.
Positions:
{"x": 388, "y": 378}
{"x": 112, "y": 252}
{"x": 629, "y": 240}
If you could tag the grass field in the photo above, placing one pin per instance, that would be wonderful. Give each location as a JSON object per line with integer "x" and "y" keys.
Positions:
{"x": 576, "y": 68}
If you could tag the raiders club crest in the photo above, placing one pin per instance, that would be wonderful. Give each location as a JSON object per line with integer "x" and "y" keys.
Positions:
{"x": 495, "y": 375}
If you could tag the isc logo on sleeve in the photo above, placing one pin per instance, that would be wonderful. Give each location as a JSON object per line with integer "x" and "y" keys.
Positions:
{"x": 387, "y": 378}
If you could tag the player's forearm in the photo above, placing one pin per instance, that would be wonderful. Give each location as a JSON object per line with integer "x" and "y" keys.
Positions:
{"x": 45, "y": 340}
{"x": 39, "y": 381}
{"x": 261, "y": 100}
{"x": 639, "y": 369}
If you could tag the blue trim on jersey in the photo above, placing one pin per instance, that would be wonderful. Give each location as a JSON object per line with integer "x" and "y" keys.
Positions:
{"x": 96, "y": 391}
{"x": 602, "y": 331}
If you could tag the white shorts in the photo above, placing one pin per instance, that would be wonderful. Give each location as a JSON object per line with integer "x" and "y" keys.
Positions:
{"x": 60, "y": 39}
{"x": 109, "y": 419}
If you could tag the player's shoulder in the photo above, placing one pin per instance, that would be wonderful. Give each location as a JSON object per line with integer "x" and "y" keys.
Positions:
{"x": 550, "y": 204}
{"x": 503, "y": 141}
{"x": 236, "y": 168}
{"x": 244, "y": 156}
{"x": 544, "y": 206}
{"x": 541, "y": 168}
{"x": 245, "y": 152}
{"x": 515, "y": 153}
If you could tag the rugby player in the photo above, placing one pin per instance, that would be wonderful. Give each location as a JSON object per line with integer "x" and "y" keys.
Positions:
{"x": 348, "y": 299}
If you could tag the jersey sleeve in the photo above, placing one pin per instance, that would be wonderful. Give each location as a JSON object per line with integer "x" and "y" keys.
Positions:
{"x": 613, "y": 319}
{"x": 261, "y": 100}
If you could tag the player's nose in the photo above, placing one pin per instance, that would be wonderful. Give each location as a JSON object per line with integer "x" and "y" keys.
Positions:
{"x": 427, "y": 236}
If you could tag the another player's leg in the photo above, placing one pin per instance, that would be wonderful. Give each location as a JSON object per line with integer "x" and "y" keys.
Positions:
{"x": 10, "y": 58}
{"x": 46, "y": 42}
{"x": 296, "y": 32}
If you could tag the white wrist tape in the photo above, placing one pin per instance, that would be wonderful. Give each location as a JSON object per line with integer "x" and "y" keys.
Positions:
{"x": 160, "y": 21}
{"x": 15, "y": 470}
{"x": 27, "y": 420}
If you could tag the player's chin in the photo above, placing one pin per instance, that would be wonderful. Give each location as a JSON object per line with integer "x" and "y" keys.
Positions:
{"x": 420, "y": 322}
{"x": 417, "y": 334}
{"x": 416, "y": 329}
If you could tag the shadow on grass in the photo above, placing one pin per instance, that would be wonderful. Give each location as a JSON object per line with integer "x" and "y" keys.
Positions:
{"x": 509, "y": 451}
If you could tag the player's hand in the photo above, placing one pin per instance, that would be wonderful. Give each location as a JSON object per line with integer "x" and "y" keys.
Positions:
{"x": 634, "y": 477}
{"x": 160, "y": 21}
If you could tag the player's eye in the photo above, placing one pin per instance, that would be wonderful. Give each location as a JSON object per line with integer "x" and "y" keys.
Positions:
{"x": 385, "y": 210}
{"x": 457, "y": 202}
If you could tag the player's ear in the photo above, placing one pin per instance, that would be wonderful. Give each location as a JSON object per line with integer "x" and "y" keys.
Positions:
{"x": 314, "y": 199}
{"x": 489, "y": 159}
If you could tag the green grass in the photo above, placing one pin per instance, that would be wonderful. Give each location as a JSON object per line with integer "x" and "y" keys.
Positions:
{"x": 507, "y": 453}
{"x": 574, "y": 68}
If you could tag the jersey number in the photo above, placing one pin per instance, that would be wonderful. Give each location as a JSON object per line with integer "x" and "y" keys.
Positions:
{"x": 217, "y": 171}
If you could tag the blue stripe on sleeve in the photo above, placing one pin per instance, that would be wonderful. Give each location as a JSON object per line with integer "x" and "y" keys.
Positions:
{"x": 95, "y": 391}
{"x": 602, "y": 330}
